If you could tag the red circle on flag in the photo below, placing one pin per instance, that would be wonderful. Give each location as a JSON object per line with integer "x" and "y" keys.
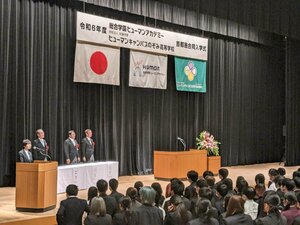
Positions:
{"x": 98, "y": 63}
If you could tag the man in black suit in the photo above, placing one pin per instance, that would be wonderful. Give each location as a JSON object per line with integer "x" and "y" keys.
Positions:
{"x": 87, "y": 147}
{"x": 110, "y": 202}
{"x": 71, "y": 149}
{"x": 25, "y": 155}
{"x": 40, "y": 143}
{"x": 71, "y": 209}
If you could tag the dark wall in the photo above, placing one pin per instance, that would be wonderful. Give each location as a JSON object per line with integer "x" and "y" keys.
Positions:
{"x": 243, "y": 106}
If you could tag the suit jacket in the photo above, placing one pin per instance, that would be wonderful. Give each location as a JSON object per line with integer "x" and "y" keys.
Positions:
{"x": 111, "y": 204}
{"x": 71, "y": 210}
{"x": 189, "y": 189}
{"x": 36, "y": 153}
{"x": 198, "y": 221}
{"x": 147, "y": 215}
{"x": 116, "y": 195}
{"x": 98, "y": 220}
{"x": 87, "y": 148}
{"x": 272, "y": 219}
{"x": 238, "y": 219}
{"x": 23, "y": 156}
{"x": 70, "y": 150}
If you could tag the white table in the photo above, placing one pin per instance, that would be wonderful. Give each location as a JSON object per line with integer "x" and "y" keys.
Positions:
{"x": 85, "y": 175}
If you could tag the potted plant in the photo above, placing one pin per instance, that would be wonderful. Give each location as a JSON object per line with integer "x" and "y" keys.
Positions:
{"x": 206, "y": 141}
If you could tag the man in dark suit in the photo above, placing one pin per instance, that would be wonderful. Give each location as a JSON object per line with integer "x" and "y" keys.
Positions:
{"x": 110, "y": 202}
{"x": 71, "y": 149}
{"x": 25, "y": 155}
{"x": 71, "y": 209}
{"x": 40, "y": 143}
{"x": 87, "y": 147}
{"x": 113, "y": 186}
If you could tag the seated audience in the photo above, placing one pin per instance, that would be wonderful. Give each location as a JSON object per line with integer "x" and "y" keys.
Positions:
{"x": 92, "y": 192}
{"x": 71, "y": 209}
{"x": 207, "y": 173}
{"x": 223, "y": 173}
{"x": 271, "y": 208}
{"x": 204, "y": 214}
{"x": 110, "y": 202}
{"x": 131, "y": 192}
{"x": 138, "y": 185}
{"x": 98, "y": 214}
{"x": 260, "y": 178}
{"x": 250, "y": 206}
{"x": 160, "y": 198}
{"x": 147, "y": 213}
{"x": 281, "y": 171}
{"x": 168, "y": 188}
{"x": 123, "y": 215}
{"x": 222, "y": 191}
{"x": 272, "y": 174}
{"x": 235, "y": 212}
{"x": 192, "y": 176}
{"x": 113, "y": 186}
{"x": 177, "y": 213}
{"x": 291, "y": 211}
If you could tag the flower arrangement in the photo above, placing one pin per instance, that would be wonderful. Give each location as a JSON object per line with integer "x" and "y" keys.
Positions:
{"x": 206, "y": 141}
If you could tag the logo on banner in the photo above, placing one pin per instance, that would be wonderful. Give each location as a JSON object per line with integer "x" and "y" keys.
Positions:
{"x": 97, "y": 64}
{"x": 190, "y": 75}
{"x": 148, "y": 70}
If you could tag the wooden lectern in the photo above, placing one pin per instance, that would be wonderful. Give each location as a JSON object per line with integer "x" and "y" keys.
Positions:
{"x": 36, "y": 186}
{"x": 168, "y": 165}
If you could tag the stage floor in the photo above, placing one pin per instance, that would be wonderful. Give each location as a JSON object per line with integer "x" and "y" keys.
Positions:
{"x": 7, "y": 195}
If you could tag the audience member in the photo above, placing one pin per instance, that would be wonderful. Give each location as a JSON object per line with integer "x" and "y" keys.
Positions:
{"x": 272, "y": 174}
{"x": 131, "y": 192}
{"x": 207, "y": 173}
{"x": 235, "y": 212}
{"x": 159, "y": 196}
{"x": 110, "y": 202}
{"x": 260, "y": 179}
{"x": 147, "y": 213}
{"x": 177, "y": 213}
{"x": 123, "y": 215}
{"x": 138, "y": 185}
{"x": 71, "y": 209}
{"x": 98, "y": 214}
{"x": 192, "y": 176}
{"x": 92, "y": 192}
{"x": 250, "y": 206}
{"x": 271, "y": 208}
{"x": 291, "y": 211}
{"x": 281, "y": 171}
{"x": 113, "y": 186}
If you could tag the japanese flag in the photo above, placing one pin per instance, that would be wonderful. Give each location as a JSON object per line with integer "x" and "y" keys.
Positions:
{"x": 97, "y": 64}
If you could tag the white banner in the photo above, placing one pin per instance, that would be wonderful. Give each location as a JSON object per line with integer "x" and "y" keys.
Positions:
{"x": 97, "y": 64}
{"x": 111, "y": 32}
{"x": 148, "y": 70}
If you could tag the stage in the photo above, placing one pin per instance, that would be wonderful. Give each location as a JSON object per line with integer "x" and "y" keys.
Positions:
{"x": 8, "y": 214}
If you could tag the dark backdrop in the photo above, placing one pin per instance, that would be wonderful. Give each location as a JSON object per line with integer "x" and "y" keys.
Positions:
{"x": 244, "y": 106}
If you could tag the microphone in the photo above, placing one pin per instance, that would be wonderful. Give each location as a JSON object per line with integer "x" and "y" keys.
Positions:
{"x": 182, "y": 142}
{"x": 40, "y": 149}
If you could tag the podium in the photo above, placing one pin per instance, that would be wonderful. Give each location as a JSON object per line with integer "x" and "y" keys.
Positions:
{"x": 36, "y": 186}
{"x": 168, "y": 165}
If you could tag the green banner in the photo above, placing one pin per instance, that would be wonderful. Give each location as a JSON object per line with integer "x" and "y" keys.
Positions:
{"x": 190, "y": 75}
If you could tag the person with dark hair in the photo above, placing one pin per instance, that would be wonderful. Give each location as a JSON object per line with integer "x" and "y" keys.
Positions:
{"x": 92, "y": 192}
{"x": 177, "y": 213}
{"x": 71, "y": 209}
{"x": 123, "y": 216}
{"x": 228, "y": 182}
{"x": 205, "y": 214}
{"x": 159, "y": 196}
{"x": 71, "y": 149}
{"x": 168, "y": 189}
{"x": 192, "y": 176}
{"x": 260, "y": 190}
{"x": 260, "y": 178}
{"x": 205, "y": 193}
{"x": 296, "y": 173}
{"x": 210, "y": 180}
{"x": 278, "y": 184}
{"x": 147, "y": 213}
{"x": 110, "y": 202}
{"x": 98, "y": 214}
{"x": 207, "y": 173}
{"x": 222, "y": 191}
{"x": 240, "y": 185}
{"x": 41, "y": 145}
{"x": 250, "y": 206}
{"x": 113, "y": 186}
{"x": 287, "y": 185}
{"x": 87, "y": 147}
{"x": 271, "y": 208}
{"x": 272, "y": 174}
{"x": 281, "y": 171}
{"x": 297, "y": 183}
{"x": 235, "y": 212}
{"x": 131, "y": 192}
{"x": 25, "y": 155}
{"x": 177, "y": 188}
{"x": 138, "y": 185}
{"x": 291, "y": 211}
{"x": 223, "y": 173}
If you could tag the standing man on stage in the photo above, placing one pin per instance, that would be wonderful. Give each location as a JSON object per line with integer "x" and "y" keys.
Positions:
{"x": 25, "y": 155}
{"x": 71, "y": 148}
{"x": 41, "y": 145}
{"x": 87, "y": 147}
